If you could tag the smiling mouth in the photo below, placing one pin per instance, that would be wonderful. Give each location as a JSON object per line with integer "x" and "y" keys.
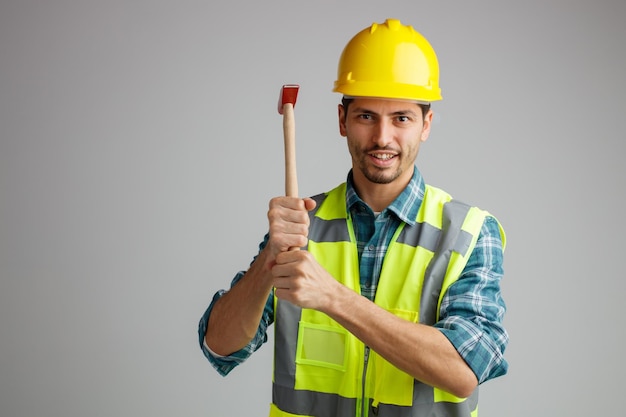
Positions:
{"x": 383, "y": 157}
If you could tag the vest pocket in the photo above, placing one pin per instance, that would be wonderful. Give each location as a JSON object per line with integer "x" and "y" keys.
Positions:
{"x": 320, "y": 345}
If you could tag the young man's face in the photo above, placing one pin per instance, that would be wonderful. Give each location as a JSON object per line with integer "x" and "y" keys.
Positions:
{"x": 383, "y": 137}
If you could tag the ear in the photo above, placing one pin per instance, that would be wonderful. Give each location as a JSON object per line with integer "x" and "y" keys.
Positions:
{"x": 428, "y": 121}
{"x": 341, "y": 114}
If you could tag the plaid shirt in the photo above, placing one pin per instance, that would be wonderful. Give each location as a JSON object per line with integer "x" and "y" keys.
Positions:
{"x": 471, "y": 311}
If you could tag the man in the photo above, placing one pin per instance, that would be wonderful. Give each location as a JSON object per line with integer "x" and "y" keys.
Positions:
{"x": 392, "y": 306}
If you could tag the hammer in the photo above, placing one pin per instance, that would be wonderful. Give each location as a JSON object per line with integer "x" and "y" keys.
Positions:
{"x": 286, "y": 103}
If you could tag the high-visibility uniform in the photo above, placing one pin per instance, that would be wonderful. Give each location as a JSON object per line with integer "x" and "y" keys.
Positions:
{"x": 322, "y": 370}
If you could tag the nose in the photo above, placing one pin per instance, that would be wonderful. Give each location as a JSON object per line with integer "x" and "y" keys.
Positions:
{"x": 382, "y": 133}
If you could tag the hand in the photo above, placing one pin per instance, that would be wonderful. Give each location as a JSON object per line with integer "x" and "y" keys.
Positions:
{"x": 301, "y": 280}
{"x": 288, "y": 225}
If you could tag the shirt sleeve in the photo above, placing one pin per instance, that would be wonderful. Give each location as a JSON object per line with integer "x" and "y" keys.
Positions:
{"x": 472, "y": 309}
{"x": 224, "y": 364}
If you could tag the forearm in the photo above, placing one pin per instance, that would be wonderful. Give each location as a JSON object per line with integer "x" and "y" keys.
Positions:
{"x": 235, "y": 317}
{"x": 421, "y": 351}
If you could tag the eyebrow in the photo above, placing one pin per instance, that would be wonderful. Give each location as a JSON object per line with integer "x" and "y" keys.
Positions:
{"x": 395, "y": 113}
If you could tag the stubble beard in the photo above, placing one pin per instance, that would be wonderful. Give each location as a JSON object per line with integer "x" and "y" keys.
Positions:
{"x": 378, "y": 175}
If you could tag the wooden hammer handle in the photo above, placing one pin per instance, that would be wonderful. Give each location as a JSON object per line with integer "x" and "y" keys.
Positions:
{"x": 289, "y": 131}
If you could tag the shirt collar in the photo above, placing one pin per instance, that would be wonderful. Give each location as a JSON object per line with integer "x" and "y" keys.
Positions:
{"x": 405, "y": 206}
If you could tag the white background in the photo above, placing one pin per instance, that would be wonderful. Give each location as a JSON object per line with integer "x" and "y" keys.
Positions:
{"x": 140, "y": 144}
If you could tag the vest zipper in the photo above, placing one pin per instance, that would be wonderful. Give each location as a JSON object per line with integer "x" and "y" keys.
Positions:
{"x": 364, "y": 400}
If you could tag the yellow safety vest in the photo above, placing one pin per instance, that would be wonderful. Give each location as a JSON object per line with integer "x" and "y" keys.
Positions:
{"x": 322, "y": 370}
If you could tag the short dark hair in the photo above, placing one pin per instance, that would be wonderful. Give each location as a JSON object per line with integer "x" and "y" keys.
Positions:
{"x": 345, "y": 102}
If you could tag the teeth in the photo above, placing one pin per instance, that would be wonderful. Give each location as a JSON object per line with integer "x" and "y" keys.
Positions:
{"x": 384, "y": 157}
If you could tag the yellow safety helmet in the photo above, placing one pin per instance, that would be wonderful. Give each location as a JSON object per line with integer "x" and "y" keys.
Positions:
{"x": 389, "y": 60}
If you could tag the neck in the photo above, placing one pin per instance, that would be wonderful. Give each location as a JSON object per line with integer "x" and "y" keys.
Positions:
{"x": 379, "y": 196}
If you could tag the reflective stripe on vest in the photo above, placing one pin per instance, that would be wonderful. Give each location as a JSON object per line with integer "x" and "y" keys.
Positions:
{"x": 332, "y": 375}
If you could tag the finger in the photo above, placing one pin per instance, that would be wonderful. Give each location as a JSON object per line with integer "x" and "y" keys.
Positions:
{"x": 309, "y": 203}
{"x": 282, "y": 283}
{"x": 283, "y": 294}
{"x": 290, "y": 220}
{"x": 282, "y": 242}
{"x": 286, "y": 258}
{"x": 292, "y": 203}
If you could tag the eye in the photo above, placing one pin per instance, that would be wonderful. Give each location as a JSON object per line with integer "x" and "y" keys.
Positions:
{"x": 365, "y": 118}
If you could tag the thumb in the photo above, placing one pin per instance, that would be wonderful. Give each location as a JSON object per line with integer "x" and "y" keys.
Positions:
{"x": 309, "y": 203}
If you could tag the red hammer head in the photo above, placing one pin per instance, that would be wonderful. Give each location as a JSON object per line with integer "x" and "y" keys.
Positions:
{"x": 288, "y": 94}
